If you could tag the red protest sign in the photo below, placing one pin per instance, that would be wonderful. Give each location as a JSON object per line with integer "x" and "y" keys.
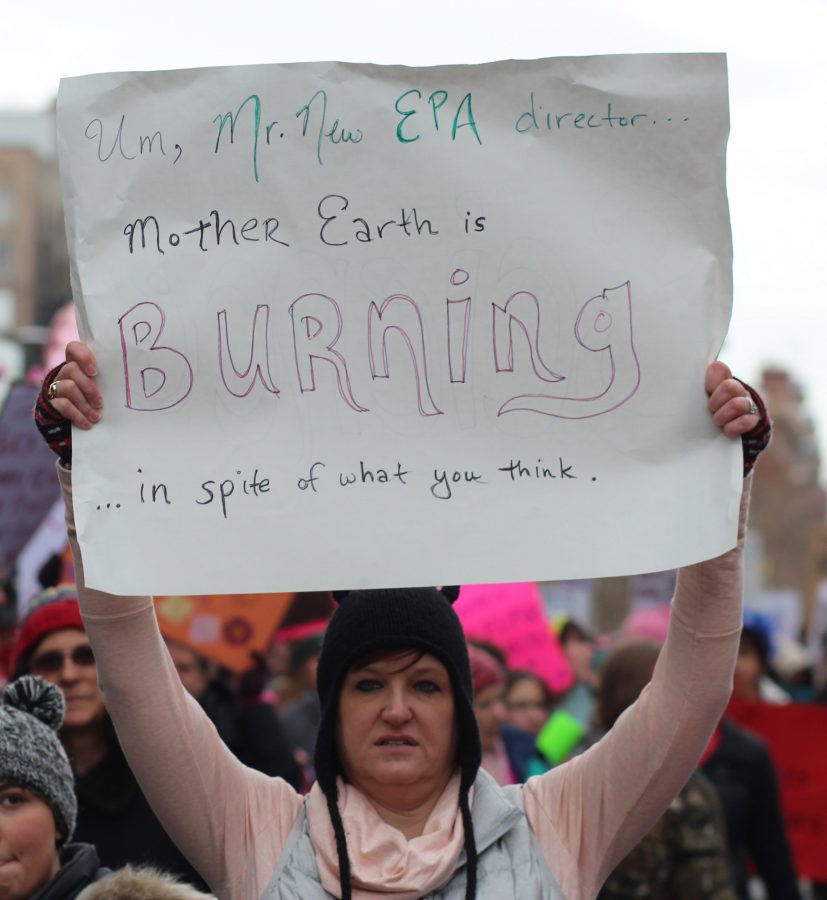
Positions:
{"x": 796, "y": 735}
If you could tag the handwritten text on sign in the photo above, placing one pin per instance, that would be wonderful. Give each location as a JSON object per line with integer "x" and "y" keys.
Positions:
{"x": 378, "y": 325}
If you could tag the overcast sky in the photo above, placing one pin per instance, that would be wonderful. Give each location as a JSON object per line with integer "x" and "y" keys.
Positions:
{"x": 778, "y": 81}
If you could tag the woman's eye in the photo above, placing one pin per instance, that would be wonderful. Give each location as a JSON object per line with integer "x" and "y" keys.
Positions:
{"x": 427, "y": 687}
{"x": 366, "y": 685}
{"x": 12, "y": 798}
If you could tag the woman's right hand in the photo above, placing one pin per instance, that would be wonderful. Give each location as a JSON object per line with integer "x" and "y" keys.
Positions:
{"x": 73, "y": 392}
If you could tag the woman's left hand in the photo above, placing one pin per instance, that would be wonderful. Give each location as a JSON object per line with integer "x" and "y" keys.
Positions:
{"x": 730, "y": 403}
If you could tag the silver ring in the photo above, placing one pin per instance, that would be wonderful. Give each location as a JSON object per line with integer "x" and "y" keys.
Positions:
{"x": 753, "y": 406}
{"x": 51, "y": 393}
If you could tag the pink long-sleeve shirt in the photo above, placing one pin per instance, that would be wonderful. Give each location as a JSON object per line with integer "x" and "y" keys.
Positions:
{"x": 232, "y": 822}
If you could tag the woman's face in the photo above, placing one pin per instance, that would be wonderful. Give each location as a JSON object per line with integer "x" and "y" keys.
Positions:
{"x": 396, "y": 725}
{"x": 65, "y": 658}
{"x": 580, "y": 655}
{"x": 527, "y": 706}
{"x": 489, "y": 708}
{"x": 28, "y": 843}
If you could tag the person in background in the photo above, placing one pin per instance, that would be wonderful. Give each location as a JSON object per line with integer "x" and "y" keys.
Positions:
{"x": 249, "y": 727}
{"x": 684, "y": 856}
{"x": 579, "y": 647}
{"x": 277, "y": 661}
{"x": 793, "y": 667}
{"x": 302, "y": 716}
{"x": 740, "y": 767}
{"x": 508, "y": 753}
{"x": 301, "y": 670}
{"x": 38, "y": 808}
{"x": 113, "y": 813}
{"x": 38, "y": 812}
{"x": 528, "y": 701}
{"x": 753, "y": 679}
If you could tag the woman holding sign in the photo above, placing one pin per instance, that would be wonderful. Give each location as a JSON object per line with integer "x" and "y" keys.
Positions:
{"x": 401, "y": 807}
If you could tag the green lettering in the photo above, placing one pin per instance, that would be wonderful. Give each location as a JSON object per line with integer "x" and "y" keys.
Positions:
{"x": 436, "y": 106}
{"x": 465, "y": 102}
{"x": 222, "y": 121}
{"x": 405, "y": 114}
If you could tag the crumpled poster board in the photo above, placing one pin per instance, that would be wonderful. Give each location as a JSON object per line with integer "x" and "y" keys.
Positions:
{"x": 374, "y": 325}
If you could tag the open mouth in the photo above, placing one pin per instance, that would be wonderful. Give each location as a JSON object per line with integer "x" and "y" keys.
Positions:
{"x": 396, "y": 742}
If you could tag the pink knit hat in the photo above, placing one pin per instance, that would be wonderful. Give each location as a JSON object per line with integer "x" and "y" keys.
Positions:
{"x": 485, "y": 670}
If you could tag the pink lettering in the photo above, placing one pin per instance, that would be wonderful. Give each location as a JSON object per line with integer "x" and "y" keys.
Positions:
{"x": 155, "y": 377}
{"x": 314, "y": 317}
{"x": 401, "y": 314}
{"x": 259, "y": 363}
{"x": 604, "y": 325}
{"x": 520, "y": 308}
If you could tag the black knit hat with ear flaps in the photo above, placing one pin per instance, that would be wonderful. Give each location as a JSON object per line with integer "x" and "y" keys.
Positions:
{"x": 368, "y": 622}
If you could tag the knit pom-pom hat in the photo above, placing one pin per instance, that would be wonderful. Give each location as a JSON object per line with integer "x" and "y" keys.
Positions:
{"x": 31, "y": 756}
{"x": 369, "y": 622}
{"x": 51, "y": 610}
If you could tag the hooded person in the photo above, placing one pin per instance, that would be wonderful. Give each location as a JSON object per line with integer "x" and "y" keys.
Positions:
{"x": 402, "y": 809}
{"x": 38, "y": 809}
{"x": 372, "y": 637}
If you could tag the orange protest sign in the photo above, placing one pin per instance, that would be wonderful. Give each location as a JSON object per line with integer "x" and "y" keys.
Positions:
{"x": 796, "y": 735}
{"x": 226, "y": 628}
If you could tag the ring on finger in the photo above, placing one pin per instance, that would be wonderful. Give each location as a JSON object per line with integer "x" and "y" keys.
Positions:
{"x": 753, "y": 406}
{"x": 51, "y": 393}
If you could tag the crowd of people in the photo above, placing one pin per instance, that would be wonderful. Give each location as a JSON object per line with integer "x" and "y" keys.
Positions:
{"x": 387, "y": 756}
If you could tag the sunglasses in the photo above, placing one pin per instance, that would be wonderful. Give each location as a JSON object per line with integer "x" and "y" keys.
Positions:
{"x": 52, "y": 661}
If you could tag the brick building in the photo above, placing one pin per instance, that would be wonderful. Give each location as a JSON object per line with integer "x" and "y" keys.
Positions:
{"x": 789, "y": 506}
{"x": 34, "y": 272}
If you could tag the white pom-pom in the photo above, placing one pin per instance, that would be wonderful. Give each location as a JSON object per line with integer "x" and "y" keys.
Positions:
{"x": 38, "y": 697}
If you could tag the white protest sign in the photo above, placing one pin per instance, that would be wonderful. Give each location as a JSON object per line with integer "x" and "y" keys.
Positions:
{"x": 363, "y": 325}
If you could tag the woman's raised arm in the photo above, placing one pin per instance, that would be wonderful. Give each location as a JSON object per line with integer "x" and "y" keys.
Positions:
{"x": 193, "y": 782}
{"x": 588, "y": 813}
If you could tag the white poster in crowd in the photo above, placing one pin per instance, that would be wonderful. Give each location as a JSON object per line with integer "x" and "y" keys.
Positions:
{"x": 783, "y": 606}
{"x": 49, "y": 539}
{"x": 373, "y": 325}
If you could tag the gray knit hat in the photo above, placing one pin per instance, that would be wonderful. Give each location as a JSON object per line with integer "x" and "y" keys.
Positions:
{"x": 31, "y": 755}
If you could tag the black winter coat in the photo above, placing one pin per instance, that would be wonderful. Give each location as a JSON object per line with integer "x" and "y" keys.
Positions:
{"x": 79, "y": 867}
{"x": 742, "y": 772}
{"x": 252, "y": 731}
{"x": 115, "y": 817}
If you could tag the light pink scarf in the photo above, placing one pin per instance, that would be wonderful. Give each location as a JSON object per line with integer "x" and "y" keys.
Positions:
{"x": 382, "y": 859}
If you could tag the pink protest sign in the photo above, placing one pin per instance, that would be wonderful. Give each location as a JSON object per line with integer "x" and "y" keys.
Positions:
{"x": 511, "y": 616}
